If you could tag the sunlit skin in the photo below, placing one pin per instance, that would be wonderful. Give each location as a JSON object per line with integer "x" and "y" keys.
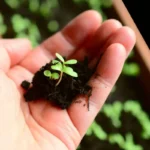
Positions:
{"x": 38, "y": 125}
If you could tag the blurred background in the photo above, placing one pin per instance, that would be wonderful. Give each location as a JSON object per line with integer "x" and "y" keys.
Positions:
{"x": 123, "y": 123}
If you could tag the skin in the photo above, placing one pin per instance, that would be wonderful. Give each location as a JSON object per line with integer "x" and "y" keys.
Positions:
{"x": 38, "y": 125}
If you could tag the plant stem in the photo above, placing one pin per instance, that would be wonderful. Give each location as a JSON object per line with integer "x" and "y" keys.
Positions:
{"x": 61, "y": 74}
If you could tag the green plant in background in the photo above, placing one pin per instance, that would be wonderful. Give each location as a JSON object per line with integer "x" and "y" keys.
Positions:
{"x": 126, "y": 143}
{"x": 97, "y": 130}
{"x": 116, "y": 113}
{"x": 47, "y": 6}
{"x": 34, "y": 5}
{"x": 25, "y": 28}
{"x": 14, "y": 4}
{"x": 96, "y": 5}
{"x": 135, "y": 109}
{"x": 53, "y": 25}
{"x": 37, "y": 20}
{"x": 3, "y": 27}
{"x": 131, "y": 69}
{"x": 32, "y": 19}
{"x": 61, "y": 65}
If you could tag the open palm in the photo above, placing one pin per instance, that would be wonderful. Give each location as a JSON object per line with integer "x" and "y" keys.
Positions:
{"x": 38, "y": 125}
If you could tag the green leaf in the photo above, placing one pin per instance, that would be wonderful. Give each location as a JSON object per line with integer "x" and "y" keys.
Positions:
{"x": 69, "y": 71}
{"x": 57, "y": 66}
{"x": 135, "y": 109}
{"x": 20, "y": 23}
{"x": 99, "y": 132}
{"x": 113, "y": 112}
{"x": 70, "y": 62}
{"x": 45, "y": 8}
{"x": 89, "y": 131}
{"x": 53, "y": 26}
{"x": 106, "y": 3}
{"x": 34, "y": 34}
{"x": 60, "y": 57}
{"x": 131, "y": 69}
{"x": 55, "y": 61}
{"x": 129, "y": 143}
{"x": 3, "y": 27}
{"x": 47, "y": 73}
{"x": 34, "y": 5}
{"x": 116, "y": 138}
{"x": 55, "y": 75}
{"x": 34, "y": 31}
{"x": 13, "y": 3}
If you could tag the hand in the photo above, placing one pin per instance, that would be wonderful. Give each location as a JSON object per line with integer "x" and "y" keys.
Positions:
{"x": 38, "y": 125}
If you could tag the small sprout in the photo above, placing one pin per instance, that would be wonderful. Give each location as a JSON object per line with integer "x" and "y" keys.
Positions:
{"x": 70, "y": 62}
{"x": 47, "y": 73}
{"x": 57, "y": 66}
{"x": 55, "y": 61}
{"x": 60, "y": 57}
{"x": 54, "y": 75}
{"x": 63, "y": 68}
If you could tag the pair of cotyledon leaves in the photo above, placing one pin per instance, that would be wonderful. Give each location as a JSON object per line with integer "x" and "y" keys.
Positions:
{"x": 61, "y": 65}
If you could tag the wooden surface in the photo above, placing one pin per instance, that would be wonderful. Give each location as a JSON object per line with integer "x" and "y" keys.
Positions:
{"x": 142, "y": 51}
{"x": 142, "y": 47}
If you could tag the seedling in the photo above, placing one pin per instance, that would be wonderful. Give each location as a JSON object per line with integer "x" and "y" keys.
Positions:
{"x": 54, "y": 75}
{"x": 73, "y": 78}
{"x": 62, "y": 66}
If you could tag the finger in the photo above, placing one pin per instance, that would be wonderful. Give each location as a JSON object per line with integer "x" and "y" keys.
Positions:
{"x": 12, "y": 52}
{"x": 65, "y": 42}
{"x": 100, "y": 38}
{"x": 19, "y": 74}
{"x": 102, "y": 82}
{"x": 124, "y": 36}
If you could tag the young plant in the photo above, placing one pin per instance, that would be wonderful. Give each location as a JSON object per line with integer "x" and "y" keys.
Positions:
{"x": 62, "y": 66}
{"x": 54, "y": 75}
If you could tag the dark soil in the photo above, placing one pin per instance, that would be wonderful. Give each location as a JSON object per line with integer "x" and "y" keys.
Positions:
{"x": 64, "y": 94}
{"x": 93, "y": 143}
